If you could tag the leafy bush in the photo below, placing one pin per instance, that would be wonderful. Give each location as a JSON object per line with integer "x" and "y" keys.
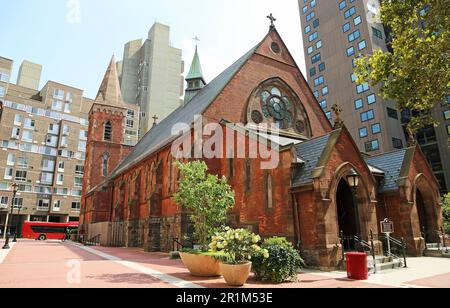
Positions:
{"x": 446, "y": 213}
{"x": 207, "y": 197}
{"x": 283, "y": 263}
{"x": 238, "y": 245}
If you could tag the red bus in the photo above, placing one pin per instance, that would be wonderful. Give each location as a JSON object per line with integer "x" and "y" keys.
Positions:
{"x": 47, "y": 230}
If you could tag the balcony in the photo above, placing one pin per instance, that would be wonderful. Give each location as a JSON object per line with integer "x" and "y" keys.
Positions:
{"x": 42, "y": 208}
{"x": 3, "y": 206}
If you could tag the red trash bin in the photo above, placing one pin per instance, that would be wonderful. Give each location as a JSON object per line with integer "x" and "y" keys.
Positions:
{"x": 357, "y": 266}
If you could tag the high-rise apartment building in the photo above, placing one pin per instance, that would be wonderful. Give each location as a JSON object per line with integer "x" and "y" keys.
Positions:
{"x": 29, "y": 75}
{"x": 151, "y": 76}
{"x": 43, "y": 138}
{"x": 334, "y": 34}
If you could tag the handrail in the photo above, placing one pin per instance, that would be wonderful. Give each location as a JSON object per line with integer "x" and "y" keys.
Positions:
{"x": 400, "y": 244}
{"x": 95, "y": 241}
{"x": 367, "y": 246}
{"x": 178, "y": 244}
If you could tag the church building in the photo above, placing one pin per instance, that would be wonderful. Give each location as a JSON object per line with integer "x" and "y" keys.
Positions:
{"x": 323, "y": 187}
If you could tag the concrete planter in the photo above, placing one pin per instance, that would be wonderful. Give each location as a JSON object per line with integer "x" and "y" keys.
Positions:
{"x": 201, "y": 265}
{"x": 236, "y": 275}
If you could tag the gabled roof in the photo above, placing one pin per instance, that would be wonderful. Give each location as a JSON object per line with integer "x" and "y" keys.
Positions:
{"x": 392, "y": 165}
{"x": 109, "y": 92}
{"x": 161, "y": 135}
{"x": 309, "y": 152}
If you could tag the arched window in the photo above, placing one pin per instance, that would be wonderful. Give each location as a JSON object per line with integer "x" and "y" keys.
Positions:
{"x": 269, "y": 191}
{"x": 105, "y": 161}
{"x": 107, "y": 134}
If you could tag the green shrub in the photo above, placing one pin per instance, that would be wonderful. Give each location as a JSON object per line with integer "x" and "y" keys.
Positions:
{"x": 446, "y": 212}
{"x": 283, "y": 263}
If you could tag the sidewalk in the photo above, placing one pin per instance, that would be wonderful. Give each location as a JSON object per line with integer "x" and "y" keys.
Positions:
{"x": 55, "y": 264}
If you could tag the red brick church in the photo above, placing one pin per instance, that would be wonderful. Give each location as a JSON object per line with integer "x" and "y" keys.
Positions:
{"x": 310, "y": 197}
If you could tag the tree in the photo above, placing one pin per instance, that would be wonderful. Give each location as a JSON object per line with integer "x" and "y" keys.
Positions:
{"x": 416, "y": 74}
{"x": 446, "y": 212}
{"x": 207, "y": 197}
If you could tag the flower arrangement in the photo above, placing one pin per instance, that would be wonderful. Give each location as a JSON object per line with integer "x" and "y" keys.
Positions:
{"x": 238, "y": 245}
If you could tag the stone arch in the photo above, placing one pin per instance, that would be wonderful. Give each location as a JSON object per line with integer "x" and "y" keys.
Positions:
{"x": 289, "y": 113}
{"x": 364, "y": 195}
{"x": 425, "y": 215}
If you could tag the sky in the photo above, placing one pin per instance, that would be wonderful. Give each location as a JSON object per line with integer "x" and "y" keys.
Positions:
{"x": 75, "y": 39}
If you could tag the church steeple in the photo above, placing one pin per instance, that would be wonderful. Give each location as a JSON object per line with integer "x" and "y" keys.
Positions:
{"x": 109, "y": 91}
{"x": 195, "y": 80}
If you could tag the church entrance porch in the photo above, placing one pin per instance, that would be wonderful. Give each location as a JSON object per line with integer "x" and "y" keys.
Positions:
{"x": 347, "y": 212}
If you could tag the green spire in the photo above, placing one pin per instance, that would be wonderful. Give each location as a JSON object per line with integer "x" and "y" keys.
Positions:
{"x": 196, "y": 68}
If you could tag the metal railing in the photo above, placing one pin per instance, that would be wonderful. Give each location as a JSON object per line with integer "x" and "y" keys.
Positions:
{"x": 359, "y": 244}
{"x": 394, "y": 248}
{"x": 95, "y": 241}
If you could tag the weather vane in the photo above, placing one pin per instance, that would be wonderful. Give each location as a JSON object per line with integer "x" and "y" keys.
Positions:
{"x": 272, "y": 20}
{"x": 196, "y": 40}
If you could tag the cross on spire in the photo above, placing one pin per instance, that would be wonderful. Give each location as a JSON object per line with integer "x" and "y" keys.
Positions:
{"x": 196, "y": 40}
{"x": 155, "y": 120}
{"x": 272, "y": 20}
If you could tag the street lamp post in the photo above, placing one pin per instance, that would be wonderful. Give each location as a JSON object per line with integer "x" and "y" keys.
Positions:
{"x": 15, "y": 188}
{"x": 17, "y": 223}
{"x": 353, "y": 181}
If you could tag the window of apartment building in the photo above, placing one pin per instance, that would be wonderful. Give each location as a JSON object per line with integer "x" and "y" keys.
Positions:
{"x": 29, "y": 124}
{"x": 2, "y": 91}
{"x": 372, "y": 146}
{"x": 11, "y": 160}
{"x": 53, "y": 129}
{"x": 78, "y": 182}
{"x": 69, "y": 97}
{"x": 43, "y": 204}
{"x": 362, "y": 45}
{"x": 316, "y": 94}
{"x": 57, "y": 205}
{"x": 376, "y": 128}
{"x": 342, "y": 5}
{"x": 60, "y": 179}
{"x": 21, "y": 176}
{"x": 51, "y": 140}
{"x": 397, "y": 143}
{"x": 79, "y": 170}
{"x": 130, "y": 123}
{"x": 322, "y": 67}
{"x": 17, "y": 203}
{"x": 27, "y": 136}
{"x": 107, "y": 134}
{"x": 318, "y": 81}
{"x": 57, "y": 105}
{"x": 447, "y": 114}
{"x": 310, "y": 16}
{"x": 25, "y": 188}
{"x": 62, "y": 191}
{"x": 66, "y": 129}
{"x": 130, "y": 113}
{"x": 83, "y": 134}
{"x": 64, "y": 142}
{"x": 346, "y": 27}
{"x": 23, "y": 162}
{"x": 350, "y": 12}
{"x": 367, "y": 116}
{"x": 305, "y": 9}
{"x": 61, "y": 166}
{"x": 4, "y": 76}
{"x": 47, "y": 178}
{"x": 307, "y": 29}
{"x": 364, "y": 87}
{"x": 359, "y": 104}
{"x": 363, "y": 132}
{"x": 68, "y": 107}
{"x": 310, "y": 50}
{"x": 350, "y": 51}
{"x": 324, "y": 104}
{"x": 319, "y": 44}
{"x": 76, "y": 192}
{"x": 316, "y": 58}
{"x": 82, "y": 146}
{"x": 353, "y": 77}
{"x": 313, "y": 3}
{"x": 316, "y": 23}
{"x": 76, "y": 206}
{"x": 357, "y": 20}
{"x": 4, "y": 202}
{"x": 313, "y": 36}
{"x": 329, "y": 116}
{"x": 325, "y": 91}
{"x": 371, "y": 99}
{"x": 59, "y": 94}
{"x": 312, "y": 71}
{"x": 15, "y": 134}
{"x": 18, "y": 119}
{"x": 392, "y": 113}
{"x": 354, "y": 36}
{"x": 8, "y": 173}
{"x": 377, "y": 33}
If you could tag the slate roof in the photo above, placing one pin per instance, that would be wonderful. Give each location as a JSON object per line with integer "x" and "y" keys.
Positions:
{"x": 309, "y": 152}
{"x": 161, "y": 135}
{"x": 391, "y": 163}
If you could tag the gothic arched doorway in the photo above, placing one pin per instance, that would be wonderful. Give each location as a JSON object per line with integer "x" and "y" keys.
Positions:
{"x": 347, "y": 211}
{"x": 427, "y": 223}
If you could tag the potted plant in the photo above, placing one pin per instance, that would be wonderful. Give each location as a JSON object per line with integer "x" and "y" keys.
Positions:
{"x": 238, "y": 246}
{"x": 283, "y": 264}
{"x": 208, "y": 199}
